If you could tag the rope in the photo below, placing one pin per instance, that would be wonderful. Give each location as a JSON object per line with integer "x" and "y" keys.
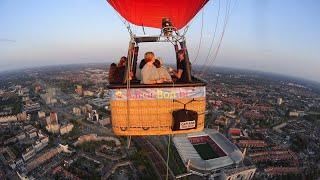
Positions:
{"x": 129, "y": 88}
{"x": 127, "y": 25}
{"x": 168, "y": 156}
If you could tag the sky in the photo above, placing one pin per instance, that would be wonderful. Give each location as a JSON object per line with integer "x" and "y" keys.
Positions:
{"x": 266, "y": 35}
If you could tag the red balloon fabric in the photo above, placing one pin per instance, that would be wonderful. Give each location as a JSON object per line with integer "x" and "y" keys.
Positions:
{"x": 149, "y": 13}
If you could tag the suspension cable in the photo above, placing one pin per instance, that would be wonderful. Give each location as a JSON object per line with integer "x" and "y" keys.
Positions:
{"x": 226, "y": 19}
{"x": 214, "y": 35}
{"x": 187, "y": 27}
{"x": 124, "y": 21}
{"x": 200, "y": 41}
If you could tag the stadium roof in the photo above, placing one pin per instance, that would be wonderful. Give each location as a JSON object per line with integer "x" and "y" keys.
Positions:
{"x": 188, "y": 152}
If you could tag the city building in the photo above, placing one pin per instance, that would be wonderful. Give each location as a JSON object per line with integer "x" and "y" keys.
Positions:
{"x": 79, "y": 90}
{"x": 235, "y": 133}
{"x": 252, "y": 143}
{"x": 46, "y": 156}
{"x": 64, "y": 129}
{"x": 105, "y": 121}
{"x": 76, "y": 111}
{"x": 23, "y": 116}
{"x": 14, "y": 118}
{"x": 31, "y": 107}
{"x": 21, "y": 136}
{"x": 53, "y": 118}
{"x": 88, "y": 93}
{"x": 93, "y": 116}
{"x": 242, "y": 173}
{"x": 222, "y": 120}
{"x": 37, "y": 88}
{"x": 52, "y": 123}
{"x": 50, "y": 96}
{"x": 41, "y": 143}
{"x": 6, "y": 119}
{"x": 279, "y": 101}
{"x": 293, "y": 114}
{"x": 41, "y": 114}
{"x": 53, "y": 128}
{"x": 28, "y": 154}
{"x": 86, "y": 109}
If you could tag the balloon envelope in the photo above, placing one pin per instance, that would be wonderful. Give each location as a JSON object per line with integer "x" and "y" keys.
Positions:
{"x": 149, "y": 13}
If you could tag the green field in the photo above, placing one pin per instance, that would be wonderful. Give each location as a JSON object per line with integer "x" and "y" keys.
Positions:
{"x": 205, "y": 151}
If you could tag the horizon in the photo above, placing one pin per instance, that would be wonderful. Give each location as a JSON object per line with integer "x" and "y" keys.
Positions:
{"x": 280, "y": 75}
{"x": 58, "y": 33}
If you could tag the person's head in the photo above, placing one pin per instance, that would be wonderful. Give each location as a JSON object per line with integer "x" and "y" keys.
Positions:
{"x": 149, "y": 57}
{"x": 112, "y": 72}
{"x": 157, "y": 63}
{"x": 181, "y": 54}
{"x": 142, "y": 63}
{"x": 113, "y": 65}
{"x": 122, "y": 61}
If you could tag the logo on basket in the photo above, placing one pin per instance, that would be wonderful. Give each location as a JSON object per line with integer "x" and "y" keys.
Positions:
{"x": 157, "y": 93}
{"x": 188, "y": 124}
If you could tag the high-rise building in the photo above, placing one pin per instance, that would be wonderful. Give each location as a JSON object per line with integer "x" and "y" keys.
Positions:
{"x": 88, "y": 107}
{"x": 95, "y": 116}
{"x": 76, "y": 111}
{"x": 279, "y": 101}
{"x": 52, "y": 123}
{"x": 37, "y": 88}
{"x": 53, "y": 118}
{"x": 79, "y": 90}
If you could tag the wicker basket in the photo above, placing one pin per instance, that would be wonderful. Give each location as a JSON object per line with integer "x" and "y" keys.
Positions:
{"x": 152, "y": 117}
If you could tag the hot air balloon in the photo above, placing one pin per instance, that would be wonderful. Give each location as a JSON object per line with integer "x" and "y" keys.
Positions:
{"x": 157, "y": 109}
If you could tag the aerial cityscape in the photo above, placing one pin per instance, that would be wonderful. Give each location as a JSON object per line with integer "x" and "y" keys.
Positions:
{"x": 56, "y": 123}
{"x": 159, "y": 89}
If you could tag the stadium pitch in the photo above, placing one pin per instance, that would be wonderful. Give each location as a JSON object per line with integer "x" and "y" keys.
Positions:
{"x": 205, "y": 151}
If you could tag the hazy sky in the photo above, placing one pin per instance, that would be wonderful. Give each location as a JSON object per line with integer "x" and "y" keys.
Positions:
{"x": 280, "y": 36}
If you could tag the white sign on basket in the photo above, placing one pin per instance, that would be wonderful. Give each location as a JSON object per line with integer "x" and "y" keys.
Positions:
{"x": 188, "y": 124}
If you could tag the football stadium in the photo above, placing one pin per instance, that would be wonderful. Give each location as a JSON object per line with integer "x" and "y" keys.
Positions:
{"x": 207, "y": 151}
